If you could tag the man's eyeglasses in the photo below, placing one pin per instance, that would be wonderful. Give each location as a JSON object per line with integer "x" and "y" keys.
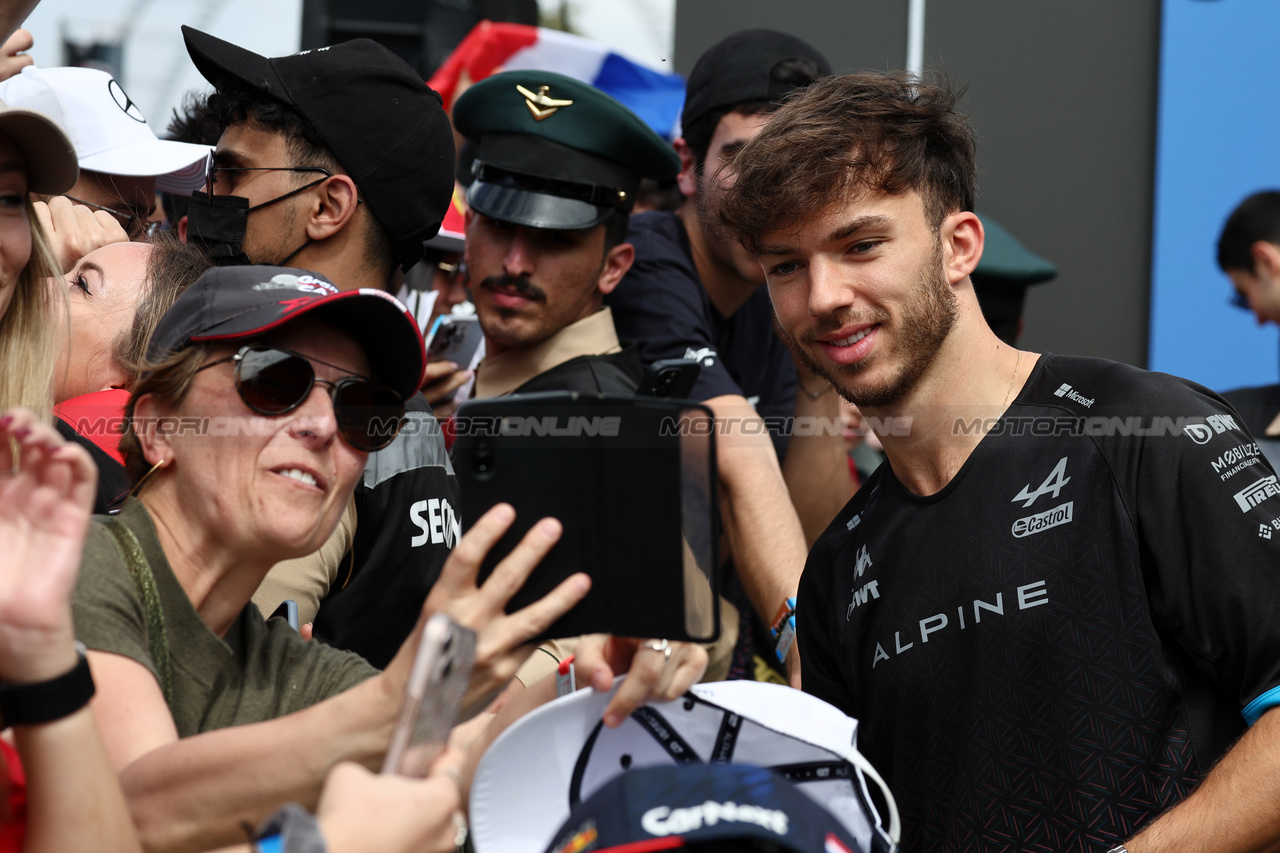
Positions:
{"x": 211, "y": 176}
{"x": 274, "y": 382}
{"x": 1239, "y": 300}
{"x": 136, "y": 223}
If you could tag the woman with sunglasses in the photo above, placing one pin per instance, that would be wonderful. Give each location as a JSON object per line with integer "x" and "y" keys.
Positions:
{"x": 264, "y": 390}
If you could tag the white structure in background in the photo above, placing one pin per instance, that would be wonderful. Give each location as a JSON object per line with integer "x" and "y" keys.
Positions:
{"x": 642, "y": 30}
{"x": 915, "y": 37}
{"x": 157, "y": 71}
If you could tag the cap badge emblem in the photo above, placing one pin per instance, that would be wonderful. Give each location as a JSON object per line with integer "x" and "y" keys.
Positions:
{"x": 540, "y": 105}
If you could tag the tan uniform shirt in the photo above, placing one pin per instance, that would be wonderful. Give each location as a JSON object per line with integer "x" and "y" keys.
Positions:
{"x": 499, "y": 375}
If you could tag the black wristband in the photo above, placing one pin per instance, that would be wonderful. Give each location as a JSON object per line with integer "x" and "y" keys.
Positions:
{"x": 46, "y": 701}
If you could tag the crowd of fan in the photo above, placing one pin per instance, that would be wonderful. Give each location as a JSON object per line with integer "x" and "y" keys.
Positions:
{"x": 243, "y": 268}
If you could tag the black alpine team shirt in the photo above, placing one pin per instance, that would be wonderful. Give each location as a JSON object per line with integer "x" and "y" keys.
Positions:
{"x": 1059, "y": 644}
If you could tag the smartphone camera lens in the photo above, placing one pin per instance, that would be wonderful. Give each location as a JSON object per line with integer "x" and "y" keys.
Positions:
{"x": 482, "y": 461}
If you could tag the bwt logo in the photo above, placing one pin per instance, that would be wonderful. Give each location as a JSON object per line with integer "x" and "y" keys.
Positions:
{"x": 1250, "y": 496}
{"x": 1064, "y": 390}
{"x": 1213, "y": 425}
{"x": 441, "y": 525}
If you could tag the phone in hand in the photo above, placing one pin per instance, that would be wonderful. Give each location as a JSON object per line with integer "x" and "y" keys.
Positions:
{"x": 669, "y": 379}
{"x": 433, "y": 696}
{"x": 455, "y": 338}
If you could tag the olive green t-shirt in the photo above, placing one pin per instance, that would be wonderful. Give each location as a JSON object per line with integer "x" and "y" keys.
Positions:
{"x": 261, "y": 670}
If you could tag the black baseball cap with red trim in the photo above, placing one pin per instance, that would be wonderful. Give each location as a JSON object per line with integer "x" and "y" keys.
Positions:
{"x": 240, "y": 303}
{"x": 387, "y": 128}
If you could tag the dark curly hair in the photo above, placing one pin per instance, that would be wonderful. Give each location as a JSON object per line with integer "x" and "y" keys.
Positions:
{"x": 845, "y": 135}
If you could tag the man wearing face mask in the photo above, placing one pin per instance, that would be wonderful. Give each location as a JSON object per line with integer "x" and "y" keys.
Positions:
{"x": 340, "y": 160}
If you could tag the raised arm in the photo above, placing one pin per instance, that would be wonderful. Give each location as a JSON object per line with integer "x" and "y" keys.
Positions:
{"x": 764, "y": 532}
{"x": 195, "y": 793}
{"x": 74, "y": 800}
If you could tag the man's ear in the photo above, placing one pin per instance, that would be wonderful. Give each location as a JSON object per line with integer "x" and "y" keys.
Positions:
{"x": 154, "y": 441}
{"x": 1266, "y": 260}
{"x": 332, "y": 207}
{"x": 616, "y": 263}
{"x": 687, "y": 180}
{"x": 962, "y": 240}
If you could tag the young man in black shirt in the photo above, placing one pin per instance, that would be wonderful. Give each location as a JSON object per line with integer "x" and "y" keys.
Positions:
{"x": 1055, "y": 608}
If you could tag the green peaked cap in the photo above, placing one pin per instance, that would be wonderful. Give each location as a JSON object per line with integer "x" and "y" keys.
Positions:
{"x": 554, "y": 152}
{"x": 1006, "y": 261}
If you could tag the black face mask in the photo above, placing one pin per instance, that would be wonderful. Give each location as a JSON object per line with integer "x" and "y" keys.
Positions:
{"x": 217, "y": 224}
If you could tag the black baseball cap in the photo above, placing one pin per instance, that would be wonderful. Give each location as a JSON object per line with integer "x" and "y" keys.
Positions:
{"x": 386, "y": 127}
{"x": 745, "y": 67}
{"x": 669, "y": 808}
{"x": 554, "y": 152}
{"x": 239, "y": 303}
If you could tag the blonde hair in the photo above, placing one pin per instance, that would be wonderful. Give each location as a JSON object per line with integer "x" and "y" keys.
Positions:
{"x": 29, "y": 330}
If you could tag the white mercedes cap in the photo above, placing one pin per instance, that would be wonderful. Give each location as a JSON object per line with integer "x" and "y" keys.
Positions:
{"x": 560, "y": 754}
{"x": 106, "y": 127}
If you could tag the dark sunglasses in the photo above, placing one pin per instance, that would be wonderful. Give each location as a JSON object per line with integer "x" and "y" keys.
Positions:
{"x": 274, "y": 381}
{"x": 1239, "y": 300}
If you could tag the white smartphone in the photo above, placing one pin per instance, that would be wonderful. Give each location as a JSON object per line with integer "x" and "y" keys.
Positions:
{"x": 437, "y": 685}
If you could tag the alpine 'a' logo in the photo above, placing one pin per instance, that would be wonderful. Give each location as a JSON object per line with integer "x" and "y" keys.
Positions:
{"x": 1053, "y": 484}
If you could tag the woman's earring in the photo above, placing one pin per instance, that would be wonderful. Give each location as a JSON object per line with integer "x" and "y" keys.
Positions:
{"x": 137, "y": 487}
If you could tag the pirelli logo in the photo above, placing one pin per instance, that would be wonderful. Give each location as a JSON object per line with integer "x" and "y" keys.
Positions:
{"x": 1250, "y": 496}
{"x": 1042, "y": 521}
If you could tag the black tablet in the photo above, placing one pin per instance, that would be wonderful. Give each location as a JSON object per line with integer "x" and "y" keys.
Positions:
{"x": 633, "y": 481}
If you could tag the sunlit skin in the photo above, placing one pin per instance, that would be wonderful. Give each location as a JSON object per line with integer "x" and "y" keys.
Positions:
{"x": 276, "y": 230}
{"x": 529, "y": 283}
{"x": 728, "y": 271}
{"x": 861, "y": 295}
{"x": 15, "y": 229}
{"x": 234, "y": 484}
{"x": 102, "y": 292}
{"x": 450, "y": 286}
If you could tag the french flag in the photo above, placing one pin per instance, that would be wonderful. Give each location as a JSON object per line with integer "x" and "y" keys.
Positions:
{"x": 655, "y": 96}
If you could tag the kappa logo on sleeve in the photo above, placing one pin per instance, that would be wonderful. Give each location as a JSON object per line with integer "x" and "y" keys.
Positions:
{"x": 706, "y": 356}
{"x": 863, "y": 592}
